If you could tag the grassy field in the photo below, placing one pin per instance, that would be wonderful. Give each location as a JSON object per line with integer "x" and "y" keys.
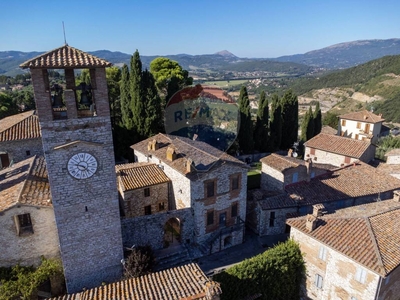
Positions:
{"x": 226, "y": 83}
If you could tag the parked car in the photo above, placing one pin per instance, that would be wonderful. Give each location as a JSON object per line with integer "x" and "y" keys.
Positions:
{"x": 395, "y": 131}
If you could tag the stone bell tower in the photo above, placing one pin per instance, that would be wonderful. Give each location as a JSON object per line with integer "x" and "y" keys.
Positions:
{"x": 77, "y": 142}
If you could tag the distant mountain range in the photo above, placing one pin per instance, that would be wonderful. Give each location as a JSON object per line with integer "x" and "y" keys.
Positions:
{"x": 338, "y": 56}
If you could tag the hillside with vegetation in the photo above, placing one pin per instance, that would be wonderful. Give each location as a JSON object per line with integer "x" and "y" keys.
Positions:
{"x": 375, "y": 84}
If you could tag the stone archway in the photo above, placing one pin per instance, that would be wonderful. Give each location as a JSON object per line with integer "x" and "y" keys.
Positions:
{"x": 172, "y": 232}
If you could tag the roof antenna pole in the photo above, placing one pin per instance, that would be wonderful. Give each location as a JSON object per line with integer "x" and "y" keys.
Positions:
{"x": 65, "y": 39}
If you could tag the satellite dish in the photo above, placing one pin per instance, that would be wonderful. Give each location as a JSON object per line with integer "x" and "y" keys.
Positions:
{"x": 294, "y": 154}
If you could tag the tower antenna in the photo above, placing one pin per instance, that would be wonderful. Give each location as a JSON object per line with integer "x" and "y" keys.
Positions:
{"x": 65, "y": 39}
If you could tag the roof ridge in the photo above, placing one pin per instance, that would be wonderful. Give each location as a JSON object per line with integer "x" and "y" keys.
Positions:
{"x": 375, "y": 244}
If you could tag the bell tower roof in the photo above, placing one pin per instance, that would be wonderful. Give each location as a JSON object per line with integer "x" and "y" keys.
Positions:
{"x": 65, "y": 57}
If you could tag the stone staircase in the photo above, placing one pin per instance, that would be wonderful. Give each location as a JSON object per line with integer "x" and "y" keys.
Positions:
{"x": 172, "y": 257}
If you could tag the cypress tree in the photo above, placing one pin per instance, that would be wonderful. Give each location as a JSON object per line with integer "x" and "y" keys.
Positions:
{"x": 126, "y": 112}
{"x": 275, "y": 124}
{"x": 290, "y": 119}
{"x": 261, "y": 129}
{"x": 307, "y": 126}
{"x": 153, "y": 121}
{"x": 136, "y": 87}
{"x": 245, "y": 135}
{"x": 317, "y": 119}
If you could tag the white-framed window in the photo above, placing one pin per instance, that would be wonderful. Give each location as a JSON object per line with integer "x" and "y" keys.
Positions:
{"x": 319, "y": 281}
{"x": 322, "y": 253}
{"x": 361, "y": 275}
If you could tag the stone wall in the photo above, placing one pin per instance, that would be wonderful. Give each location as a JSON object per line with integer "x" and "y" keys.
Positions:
{"x": 278, "y": 223}
{"x": 323, "y": 157}
{"x": 271, "y": 179}
{"x": 338, "y": 272}
{"x": 135, "y": 201}
{"x": 149, "y": 230}
{"x": 27, "y": 248}
{"x": 18, "y": 150}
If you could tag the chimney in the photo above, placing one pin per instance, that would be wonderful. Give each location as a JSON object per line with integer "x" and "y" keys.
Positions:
{"x": 396, "y": 196}
{"x": 311, "y": 222}
{"x": 318, "y": 210}
{"x": 290, "y": 153}
{"x": 153, "y": 145}
{"x": 189, "y": 165}
{"x": 171, "y": 154}
{"x": 309, "y": 168}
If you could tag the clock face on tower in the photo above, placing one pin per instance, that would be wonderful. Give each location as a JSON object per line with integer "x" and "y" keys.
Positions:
{"x": 82, "y": 165}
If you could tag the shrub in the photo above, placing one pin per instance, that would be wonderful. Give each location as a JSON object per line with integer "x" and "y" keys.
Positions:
{"x": 275, "y": 274}
{"x": 139, "y": 262}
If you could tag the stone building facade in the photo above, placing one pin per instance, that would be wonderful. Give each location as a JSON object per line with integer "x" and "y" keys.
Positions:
{"x": 79, "y": 156}
{"x": 27, "y": 219}
{"x": 361, "y": 125}
{"x": 19, "y": 138}
{"x": 337, "y": 150}
{"x": 336, "y": 188}
{"x": 356, "y": 262}
{"x": 212, "y": 184}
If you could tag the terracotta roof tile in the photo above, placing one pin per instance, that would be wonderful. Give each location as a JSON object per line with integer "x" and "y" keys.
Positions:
{"x": 343, "y": 183}
{"x": 203, "y": 155}
{"x": 281, "y": 163}
{"x": 20, "y": 127}
{"x": 338, "y": 144}
{"x": 364, "y": 116}
{"x": 185, "y": 282}
{"x": 26, "y": 182}
{"x": 138, "y": 175}
{"x": 370, "y": 238}
{"x": 65, "y": 57}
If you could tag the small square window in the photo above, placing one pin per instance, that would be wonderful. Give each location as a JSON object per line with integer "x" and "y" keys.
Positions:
{"x": 147, "y": 192}
{"x": 358, "y": 125}
{"x": 234, "y": 210}
{"x": 343, "y": 122}
{"x": 361, "y": 275}
{"x": 147, "y": 210}
{"x": 161, "y": 206}
{"x": 312, "y": 151}
{"x": 28, "y": 152}
{"x": 322, "y": 253}
{"x": 318, "y": 281}
{"x": 23, "y": 224}
{"x": 210, "y": 218}
{"x": 210, "y": 187}
{"x": 235, "y": 182}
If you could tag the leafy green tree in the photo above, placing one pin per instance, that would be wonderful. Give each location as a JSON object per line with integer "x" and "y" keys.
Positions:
{"x": 331, "y": 119}
{"x": 261, "y": 128}
{"x": 275, "y": 124}
{"x": 137, "y": 98}
{"x": 317, "y": 119}
{"x": 290, "y": 119}
{"x": 245, "y": 135}
{"x": 8, "y": 107}
{"x": 24, "y": 98}
{"x": 169, "y": 77}
{"x": 125, "y": 91}
{"x": 23, "y": 282}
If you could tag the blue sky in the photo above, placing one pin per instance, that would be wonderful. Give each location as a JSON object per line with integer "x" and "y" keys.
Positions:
{"x": 251, "y": 28}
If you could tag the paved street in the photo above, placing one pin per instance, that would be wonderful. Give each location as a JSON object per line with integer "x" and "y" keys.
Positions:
{"x": 252, "y": 246}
